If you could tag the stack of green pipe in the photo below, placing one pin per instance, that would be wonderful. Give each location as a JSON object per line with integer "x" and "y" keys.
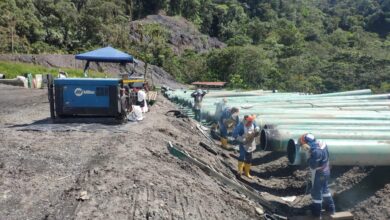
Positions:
{"x": 346, "y": 152}
{"x": 277, "y": 140}
{"x": 350, "y": 122}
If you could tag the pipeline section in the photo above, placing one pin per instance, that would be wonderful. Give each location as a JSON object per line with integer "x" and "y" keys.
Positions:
{"x": 354, "y": 124}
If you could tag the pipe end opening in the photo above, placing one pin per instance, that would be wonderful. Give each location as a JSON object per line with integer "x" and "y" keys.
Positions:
{"x": 263, "y": 139}
{"x": 291, "y": 151}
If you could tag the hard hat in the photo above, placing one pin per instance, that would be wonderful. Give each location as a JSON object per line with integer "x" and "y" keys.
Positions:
{"x": 199, "y": 91}
{"x": 309, "y": 137}
{"x": 250, "y": 118}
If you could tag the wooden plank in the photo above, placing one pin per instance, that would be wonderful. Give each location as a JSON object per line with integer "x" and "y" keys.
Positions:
{"x": 325, "y": 216}
{"x": 342, "y": 216}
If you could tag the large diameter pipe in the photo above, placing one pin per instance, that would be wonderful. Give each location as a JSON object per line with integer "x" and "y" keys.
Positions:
{"x": 309, "y": 118}
{"x": 324, "y": 104}
{"x": 272, "y": 140}
{"x": 318, "y": 111}
{"x": 316, "y": 104}
{"x": 295, "y": 98}
{"x": 268, "y": 100}
{"x": 268, "y": 121}
{"x": 277, "y": 140}
{"x": 354, "y": 92}
{"x": 330, "y": 127}
{"x": 326, "y": 116}
{"x": 346, "y": 152}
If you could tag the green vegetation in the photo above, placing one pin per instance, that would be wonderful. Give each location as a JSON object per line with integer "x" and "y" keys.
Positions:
{"x": 13, "y": 69}
{"x": 290, "y": 45}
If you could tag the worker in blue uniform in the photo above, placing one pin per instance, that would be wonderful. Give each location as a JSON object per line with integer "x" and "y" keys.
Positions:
{"x": 318, "y": 160}
{"x": 198, "y": 98}
{"x": 245, "y": 133}
{"x": 227, "y": 121}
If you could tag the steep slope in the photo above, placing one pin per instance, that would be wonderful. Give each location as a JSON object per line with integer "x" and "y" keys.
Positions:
{"x": 182, "y": 34}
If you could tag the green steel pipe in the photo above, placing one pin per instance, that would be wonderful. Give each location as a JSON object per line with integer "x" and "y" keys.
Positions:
{"x": 277, "y": 140}
{"x": 219, "y": 94}
{"x": 304, "y": 116}
{"x": 265, "y": 95}
{"x": 320, "y": 122}
{"x": 298, "y": 97}
{"x": 322, "y": 105}
{"x": 354, "y": 92}
{"x": 330, "y": 127}
{"x": 324, "y": 116}
{"x": 317, "y": 104}
{"x": 370, "y": 108}
{"x": 275, "y": 111}
{"x": 302, "y": 113}
{"x": 346, "y": 152}
{"x": 186, "y": 99}
{"x": 348, "y": 104}
{"x": 264, "y": 110}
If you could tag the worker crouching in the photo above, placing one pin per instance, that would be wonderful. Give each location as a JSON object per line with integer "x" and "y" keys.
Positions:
{"x": 318, "y": 160}
{"x": 227, "y": 121}
{"x": 245, "y": 133}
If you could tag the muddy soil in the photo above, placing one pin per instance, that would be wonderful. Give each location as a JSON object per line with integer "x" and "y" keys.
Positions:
{"x": 126, "y": 171}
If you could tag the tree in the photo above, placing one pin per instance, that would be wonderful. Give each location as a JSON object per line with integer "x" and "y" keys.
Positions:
{"x": 152, "y": 38}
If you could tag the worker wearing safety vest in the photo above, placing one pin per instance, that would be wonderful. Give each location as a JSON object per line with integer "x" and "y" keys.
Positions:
{"x": 227, "y": 121}
{"x": 245, "y": 133}
{"x": 318, "y": 160}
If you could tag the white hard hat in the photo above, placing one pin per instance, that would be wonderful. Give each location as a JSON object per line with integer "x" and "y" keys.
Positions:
{"x": 309, "y": 137}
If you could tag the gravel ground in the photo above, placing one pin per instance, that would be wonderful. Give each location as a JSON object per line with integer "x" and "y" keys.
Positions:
{"x": 128, "y": 173}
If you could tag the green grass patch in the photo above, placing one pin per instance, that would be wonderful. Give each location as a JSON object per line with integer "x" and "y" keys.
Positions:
{"x": 13, "y": 69}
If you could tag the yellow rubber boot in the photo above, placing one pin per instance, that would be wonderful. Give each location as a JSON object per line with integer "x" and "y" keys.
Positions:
{"x": 224, "y": 142}
{"x": 247, "y": 168}
{"x": 240, "y": 167}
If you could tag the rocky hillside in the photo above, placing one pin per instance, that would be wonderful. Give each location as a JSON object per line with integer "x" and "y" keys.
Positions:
{"x": 182, "y": 34}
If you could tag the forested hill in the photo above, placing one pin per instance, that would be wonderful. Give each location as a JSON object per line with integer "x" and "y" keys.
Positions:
{"x": 292, "y": 45}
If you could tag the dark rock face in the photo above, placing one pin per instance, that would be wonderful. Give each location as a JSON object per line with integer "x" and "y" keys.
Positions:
{"x": 182, "y": 34}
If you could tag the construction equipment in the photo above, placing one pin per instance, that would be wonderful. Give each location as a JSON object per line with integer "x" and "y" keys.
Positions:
{"x": 70, "y": 97}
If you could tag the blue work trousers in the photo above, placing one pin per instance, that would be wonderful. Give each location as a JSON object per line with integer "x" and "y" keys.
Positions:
{"x": 223, "y": 130}
{"x": 244, "y": 155}
{"x": 197, "y": 115}
{"x": 320, "y": 194}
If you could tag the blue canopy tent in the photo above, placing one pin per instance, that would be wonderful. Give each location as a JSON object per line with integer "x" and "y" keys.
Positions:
{"x": 106, "y": 54}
